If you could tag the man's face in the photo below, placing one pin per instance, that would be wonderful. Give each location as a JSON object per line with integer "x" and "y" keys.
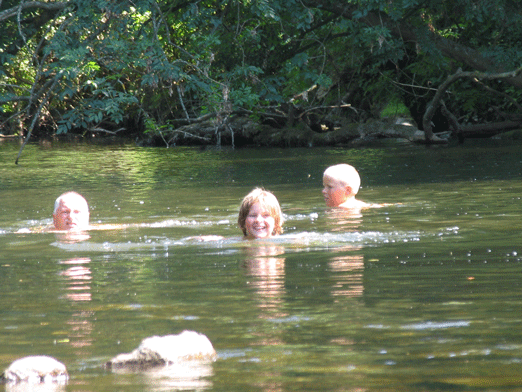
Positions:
{"x": 72, "y": 214}
{"x": 335, "y": 192}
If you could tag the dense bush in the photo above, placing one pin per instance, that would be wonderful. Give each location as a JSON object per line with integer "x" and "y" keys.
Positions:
{"x": 146, "y": 66}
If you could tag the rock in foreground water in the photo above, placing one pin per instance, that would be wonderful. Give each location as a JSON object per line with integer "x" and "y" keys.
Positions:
{"x": 168, "y": 349}
{"x": 36, "y": 369}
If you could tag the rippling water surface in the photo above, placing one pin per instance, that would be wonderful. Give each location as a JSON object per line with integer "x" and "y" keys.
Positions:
{"x": 421, "y": 295}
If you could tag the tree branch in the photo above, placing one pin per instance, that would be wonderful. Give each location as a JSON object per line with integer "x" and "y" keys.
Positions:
{"x": 464, "y": 54}
{"x": 13, "y": 11}
{"x": 37, "y": 113}
{"x": 436, "y": 101}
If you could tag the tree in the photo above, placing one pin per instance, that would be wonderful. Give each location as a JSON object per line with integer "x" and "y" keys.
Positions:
{"x": 160, "y": 66}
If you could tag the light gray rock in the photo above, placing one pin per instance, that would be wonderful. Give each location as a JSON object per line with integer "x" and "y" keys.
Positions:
{"x": 35, "y": 370}
{"x": 165, "y": 350}
{"x": 420, "y": 137}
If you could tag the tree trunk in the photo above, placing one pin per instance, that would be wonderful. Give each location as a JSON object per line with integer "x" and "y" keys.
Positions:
{"x": 488, "y": 130}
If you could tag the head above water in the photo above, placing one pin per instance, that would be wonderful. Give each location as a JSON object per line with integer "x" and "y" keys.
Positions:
{"x": 341, "y": 182}
{"x": 260, "y": 208}
{"x": 71, "y": 212}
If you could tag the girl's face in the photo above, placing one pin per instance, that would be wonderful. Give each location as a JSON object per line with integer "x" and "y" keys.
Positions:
{"x": 259, "y": 223}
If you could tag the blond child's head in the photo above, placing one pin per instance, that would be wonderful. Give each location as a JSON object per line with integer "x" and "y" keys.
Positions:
{"x": 260, "y": 215}
{"x": 340, "y": 184}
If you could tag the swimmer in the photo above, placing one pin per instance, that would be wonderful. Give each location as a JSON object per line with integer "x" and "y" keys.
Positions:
{"x": 340, "y": 185}
{"x": 71, "y": 212}
{"x": 260, "y": 215}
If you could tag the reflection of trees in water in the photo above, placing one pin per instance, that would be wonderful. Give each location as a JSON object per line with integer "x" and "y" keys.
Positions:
{"x": 271, "y": 386}
{"x": 78, "y": 278}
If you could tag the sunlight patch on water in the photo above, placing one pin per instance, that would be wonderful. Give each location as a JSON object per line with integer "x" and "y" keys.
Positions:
{"x": 293, "y": 241}
{"x": 289, "y": 319}
{"x": 178, "y": 223}
{"x": 358, "y": 238}
{"x": 428, "y": 325}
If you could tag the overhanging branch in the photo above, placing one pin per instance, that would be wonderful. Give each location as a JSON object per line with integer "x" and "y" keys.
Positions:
{"x": 51, "y": 6}
{"x": 436, "y": 101}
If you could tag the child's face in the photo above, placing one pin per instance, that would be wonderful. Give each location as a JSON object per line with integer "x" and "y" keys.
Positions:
{"x": 334, "y": 191}
{"x": 259, "y": 223}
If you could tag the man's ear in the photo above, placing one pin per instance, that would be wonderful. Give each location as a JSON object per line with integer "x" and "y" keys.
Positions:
{"x": 348, "y": 189}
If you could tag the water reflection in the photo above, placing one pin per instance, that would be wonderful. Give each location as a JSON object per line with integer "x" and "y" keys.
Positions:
{"x": 347, "y": 270}
{"x": 71, "y": 237}
{"x": 182, "y": 376}
{"x": 267, "y": 268}
{"x": 348, "y": 275}
{"x": 28, "y": 387}
{"x": 410, "y": 332}
{"x": 343, "y": 220}
{"x": 189, "y": 375}
{"x": 78, "y": 279}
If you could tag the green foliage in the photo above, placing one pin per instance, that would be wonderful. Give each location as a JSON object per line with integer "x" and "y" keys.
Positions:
{"x": 245, "y": 97}
{"x": 395, "y": 108}
{"x": 96, "y": 63}
{"x": 101, "y": 103}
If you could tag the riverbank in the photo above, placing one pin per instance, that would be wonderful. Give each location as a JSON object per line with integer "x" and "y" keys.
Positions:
{"x": 244, "y": 132}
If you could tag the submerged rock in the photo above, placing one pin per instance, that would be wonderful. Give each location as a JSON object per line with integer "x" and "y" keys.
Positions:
{"x": 165, "y": 350}
{"x": 35, "y": 370}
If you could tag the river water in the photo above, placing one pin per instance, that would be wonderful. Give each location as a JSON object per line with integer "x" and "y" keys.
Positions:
{"x": 421, "y": 295}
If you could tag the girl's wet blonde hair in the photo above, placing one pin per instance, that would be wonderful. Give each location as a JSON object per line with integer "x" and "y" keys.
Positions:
{"x": 268, "y": 201}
